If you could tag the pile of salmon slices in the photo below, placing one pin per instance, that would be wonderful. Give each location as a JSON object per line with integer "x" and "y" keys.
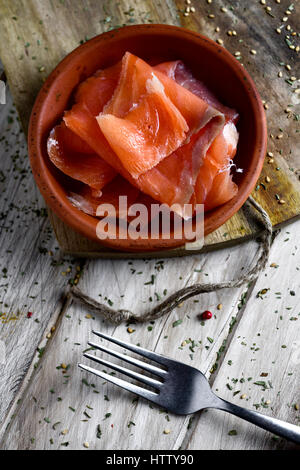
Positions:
{"x": 151, "y": 133}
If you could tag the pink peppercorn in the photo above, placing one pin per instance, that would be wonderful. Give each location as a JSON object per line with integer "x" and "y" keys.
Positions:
{"x": 206, "y": 315}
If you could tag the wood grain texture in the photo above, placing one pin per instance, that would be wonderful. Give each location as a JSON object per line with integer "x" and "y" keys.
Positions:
{"x": 30, "y": 261}
{"x": 256, "y": 30}
{"x": 26, "y": 245}
{"x": 124, "y": 284}
{"x": 265, "y": 350}
{"x": 49, "y": 30}
{"x": 36, "y": 35}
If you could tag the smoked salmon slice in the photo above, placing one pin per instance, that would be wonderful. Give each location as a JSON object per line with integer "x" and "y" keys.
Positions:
{"x": 223, "y": 190}
{"x": 88, "y": 201}
{"x": 97, "y": 90}
{"x": 139, "y": 139}
{"x": 74, "y": 157}
{"x": 171, "y": 180}
{"x": 137, "y": 79}
{"x": 214, "y": 184}
{"x": 90, "y": 98}
{"x": 150, "y": 116}
{"x": 175, "y": 177}
{"x": 148, "y": 133}
{"x": 179, "y": 72}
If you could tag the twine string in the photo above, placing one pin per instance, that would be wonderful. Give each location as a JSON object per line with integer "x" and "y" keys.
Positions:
{"x": 118, "y": 316}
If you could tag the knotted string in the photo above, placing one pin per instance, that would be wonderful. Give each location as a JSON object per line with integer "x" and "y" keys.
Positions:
{"x": 118, "y": 316}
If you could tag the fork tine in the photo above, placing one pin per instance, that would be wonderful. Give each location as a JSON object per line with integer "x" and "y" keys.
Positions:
{"x": 123, "y": 370}
{"x": 143, "y": 352}
{"x": 130, "y": 360}
{"x": 142, "y": 392}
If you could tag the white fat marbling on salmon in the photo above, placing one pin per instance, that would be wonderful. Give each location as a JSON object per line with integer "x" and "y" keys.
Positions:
{"x": 231, "y": 136}
{"x": 154, "y": 85}
{"x": 51, "y": 142}
{"x": 81, "y": 203}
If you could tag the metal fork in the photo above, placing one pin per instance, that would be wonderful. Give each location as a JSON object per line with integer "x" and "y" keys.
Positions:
{"x": 177, "y": 387}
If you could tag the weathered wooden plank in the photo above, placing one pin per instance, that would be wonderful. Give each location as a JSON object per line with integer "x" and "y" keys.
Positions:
{"x": 265, "y": 349}
{"x": 46, "y": 31}
{"x": 102, "y": 273}
{"x": 40, "y": 34}
{"x": 124, "y": 284}
{"x": 255, "y": 30}
{"x": 30, "y": 265}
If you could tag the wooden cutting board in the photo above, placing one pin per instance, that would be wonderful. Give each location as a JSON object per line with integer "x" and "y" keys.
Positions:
{"x": 36, "y": 34}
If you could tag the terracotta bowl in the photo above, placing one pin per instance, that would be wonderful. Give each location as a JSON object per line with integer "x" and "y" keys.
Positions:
{"x": 208, "y": 62}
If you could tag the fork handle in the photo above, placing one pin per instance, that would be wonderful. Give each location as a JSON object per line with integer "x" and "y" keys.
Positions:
{"x": 281, "y": 428}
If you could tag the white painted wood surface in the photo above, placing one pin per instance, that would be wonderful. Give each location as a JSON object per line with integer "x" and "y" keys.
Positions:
{"x": 112, "y": 279}
{"x": 36, "y": 406}
{"x": 265, "y": 348}
{"x": 30, "y": 263}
